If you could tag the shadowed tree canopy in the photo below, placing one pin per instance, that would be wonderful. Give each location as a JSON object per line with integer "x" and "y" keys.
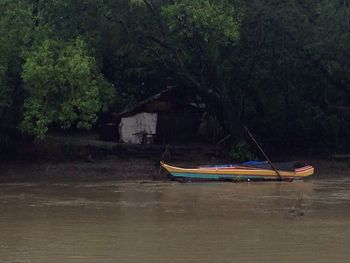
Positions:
{"x": 280, "y": 67}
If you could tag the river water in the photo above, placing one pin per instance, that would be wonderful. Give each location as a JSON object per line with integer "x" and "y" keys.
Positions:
{"x": 171, "y": 222}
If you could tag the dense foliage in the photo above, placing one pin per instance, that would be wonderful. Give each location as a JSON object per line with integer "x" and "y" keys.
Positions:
{"x": 62, "y": 87}
{"x": 280, "y": 67}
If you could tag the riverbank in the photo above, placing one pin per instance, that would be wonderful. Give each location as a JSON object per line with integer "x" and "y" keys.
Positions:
{"x": 111, "y": 168}
{"x": 118, "y": 168}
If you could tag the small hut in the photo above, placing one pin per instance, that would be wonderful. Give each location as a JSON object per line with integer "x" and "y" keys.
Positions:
{"x": 170, "y": 116}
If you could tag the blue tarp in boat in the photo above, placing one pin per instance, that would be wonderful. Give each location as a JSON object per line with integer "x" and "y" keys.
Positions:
{"x": 283, "y": 166}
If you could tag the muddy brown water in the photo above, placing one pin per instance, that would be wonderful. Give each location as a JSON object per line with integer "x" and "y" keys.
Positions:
{"x": 171, "y": 222}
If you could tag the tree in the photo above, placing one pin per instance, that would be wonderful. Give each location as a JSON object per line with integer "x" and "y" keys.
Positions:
{"x": 63, "y": 87}
{"x": 281, "y": 67}
{"x": 202, "y": 37}
{"x": 15, "y": 33}
{"x": 192, "y": 42}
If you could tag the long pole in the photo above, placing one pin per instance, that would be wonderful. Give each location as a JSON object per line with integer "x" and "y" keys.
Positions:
{"x": 261, "y": 150}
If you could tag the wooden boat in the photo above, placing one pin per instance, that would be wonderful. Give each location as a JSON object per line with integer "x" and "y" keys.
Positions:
{"x": 248, "y": 171}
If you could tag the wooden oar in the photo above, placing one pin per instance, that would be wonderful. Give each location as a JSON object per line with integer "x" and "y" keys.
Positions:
{"x": 267, "y": 158}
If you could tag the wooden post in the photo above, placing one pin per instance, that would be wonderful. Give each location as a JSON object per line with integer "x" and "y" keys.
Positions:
{"x": 261, "y": 150}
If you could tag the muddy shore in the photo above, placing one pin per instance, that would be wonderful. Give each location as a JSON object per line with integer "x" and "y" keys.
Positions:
{"x": 117, "y": 168}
